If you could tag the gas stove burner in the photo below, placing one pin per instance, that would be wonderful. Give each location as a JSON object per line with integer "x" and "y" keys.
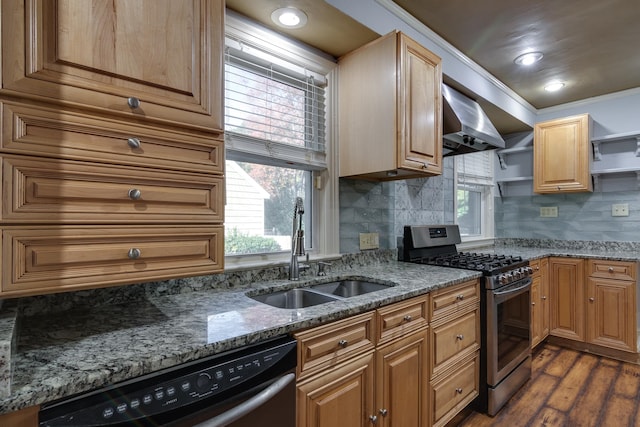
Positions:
{"x": 487, "y": 263}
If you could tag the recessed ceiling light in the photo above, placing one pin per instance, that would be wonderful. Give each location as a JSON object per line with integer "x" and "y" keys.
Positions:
{"x": 554, "y": 86}
{"x": 528, "y": 58}
{"x": 289, "y": 17}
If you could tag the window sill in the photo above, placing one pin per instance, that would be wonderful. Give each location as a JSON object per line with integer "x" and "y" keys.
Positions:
{"x": 251, "y": 262}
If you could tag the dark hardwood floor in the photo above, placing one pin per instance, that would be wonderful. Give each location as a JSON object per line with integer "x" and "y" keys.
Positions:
{"x": 572, "y": 389}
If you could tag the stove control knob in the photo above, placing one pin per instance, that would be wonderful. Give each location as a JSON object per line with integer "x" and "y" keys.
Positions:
{"x": 517, "y": 274}
{"x": 502, "y": 279}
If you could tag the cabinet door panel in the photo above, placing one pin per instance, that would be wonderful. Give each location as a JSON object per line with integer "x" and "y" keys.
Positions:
{"x": 166, "y": 53}
{"x": 610, "y": 313}
{"x": 567, "y": 296}
{"x": 401, "y": 382}
{"x": 340, "y": 397}
{"x": 419, "y": 108}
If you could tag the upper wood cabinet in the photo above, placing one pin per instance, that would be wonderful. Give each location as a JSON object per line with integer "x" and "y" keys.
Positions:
{"x": 156, "y": 51}
{"x": 390, "y": 110}
{"x": 562, "y": 155}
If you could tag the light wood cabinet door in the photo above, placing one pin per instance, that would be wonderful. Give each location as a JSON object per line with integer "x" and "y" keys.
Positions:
{"x": 390, "y": 106}
{"x": 539, "y": 301}
{"x": 419, "y": 108}
{"x": 401, "y": 382}
{"x": 566, "y": 288}
{"x": 562, "y": 155}
{"x": 611, "y": 317}
{"x": 98, "y": 54}
{"x": 452, "y": 391}
{"x": 342, "y": 396}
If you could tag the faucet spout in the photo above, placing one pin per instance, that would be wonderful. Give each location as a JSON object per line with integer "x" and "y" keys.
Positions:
{"x": 297, "y": 239}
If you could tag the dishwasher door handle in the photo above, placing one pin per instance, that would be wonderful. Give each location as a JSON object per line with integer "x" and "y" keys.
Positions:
{"x": 249, "y": 405}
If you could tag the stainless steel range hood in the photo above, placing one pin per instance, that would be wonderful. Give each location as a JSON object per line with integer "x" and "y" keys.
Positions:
{"x": 466, "y": 127}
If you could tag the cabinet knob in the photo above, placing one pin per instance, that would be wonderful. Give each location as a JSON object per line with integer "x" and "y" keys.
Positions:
{"x": 460, "y": 337}
{"x": 459, "y": 390}
{"x": 537, "y": 268}
{"x": 373, "y": 419}
{"x": 610, "y": 269}
{"x": 133, "y": 102}
{"x": 544, "y": 297}
{"x": 134, "y": 194}
{"x": 592, "y": 299}
{"x": 133, "y": 142}
{"x": 407, "y": 318}
{"x": 533, "y": 303}
{"x": 343, "y": 343}
{"x": 134, "y": 253}
{"x": 460, "y": 297}
{"x": 383, "y": 412}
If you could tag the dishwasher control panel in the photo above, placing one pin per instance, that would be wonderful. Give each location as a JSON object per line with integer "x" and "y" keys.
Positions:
{"x": 160, "y": 393}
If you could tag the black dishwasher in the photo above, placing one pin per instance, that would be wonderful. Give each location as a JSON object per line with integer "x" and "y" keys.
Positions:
{"x": 254, "y": 385}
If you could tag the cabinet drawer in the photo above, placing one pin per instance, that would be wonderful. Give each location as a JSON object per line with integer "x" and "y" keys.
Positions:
{"x": 330, "y": 344}
{"x": 64, "y": 258}
{"x": 38, "y": 190}
{"x": 623, "y": 270}
{"x": 453, "y": 337}
{"x": 452, "y": 392}
{"x": 30, "y": 129}
{"x": 449, "y": 300}
{"x": 401, "y": 318}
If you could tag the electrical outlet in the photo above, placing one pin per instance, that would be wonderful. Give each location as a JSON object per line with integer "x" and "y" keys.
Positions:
{"x": 369, "y": 241}
{"x": 549, "y": 212}
{"x": 620, "y": 209}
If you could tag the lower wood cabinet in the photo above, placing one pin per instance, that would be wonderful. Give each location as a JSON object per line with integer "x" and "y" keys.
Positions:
{"x": 594, "y": 301}
{"x": 539, "y": 300}
{"x": 355, "y": 383}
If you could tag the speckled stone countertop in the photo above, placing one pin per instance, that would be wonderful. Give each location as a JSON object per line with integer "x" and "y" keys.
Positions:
{"x": 80, "y": 349}
{"x": 67, "y": 347}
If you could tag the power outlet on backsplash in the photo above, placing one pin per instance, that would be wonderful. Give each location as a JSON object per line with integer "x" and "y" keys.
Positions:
{"x": 369, "y": 241}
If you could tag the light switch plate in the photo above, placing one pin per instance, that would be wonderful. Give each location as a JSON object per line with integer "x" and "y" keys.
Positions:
{"x": 369, "y": 241}
{"x": 549, "y": 212}
{"x": 620, "y": 209}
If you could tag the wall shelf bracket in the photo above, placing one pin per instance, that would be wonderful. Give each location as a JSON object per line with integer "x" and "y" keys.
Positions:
{"x": 503, "y": 163}
{"x": 596, "y": 182}
{"x": 638, "y": 146}
{"x": 596, "y": 151}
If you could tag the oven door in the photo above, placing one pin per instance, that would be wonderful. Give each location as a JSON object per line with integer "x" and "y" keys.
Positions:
{"x": 508, "y": 329}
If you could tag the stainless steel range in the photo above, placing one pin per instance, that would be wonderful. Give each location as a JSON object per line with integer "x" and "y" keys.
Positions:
{"x": 505, "y": 355}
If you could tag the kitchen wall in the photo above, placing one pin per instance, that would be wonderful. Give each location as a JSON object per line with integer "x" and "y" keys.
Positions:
{"x": 583, "y": 216}
{"x": 385, "y": 208}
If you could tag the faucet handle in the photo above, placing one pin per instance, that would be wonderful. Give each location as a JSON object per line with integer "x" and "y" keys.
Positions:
{"x": 321, "y": 266}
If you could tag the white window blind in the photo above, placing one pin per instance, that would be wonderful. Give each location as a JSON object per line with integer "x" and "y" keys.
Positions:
{"x": 475, "y": 169}
{"x": 274, "y": 110}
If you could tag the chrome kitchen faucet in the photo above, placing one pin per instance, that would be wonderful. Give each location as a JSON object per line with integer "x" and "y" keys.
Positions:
{"x": 297, "y": 239}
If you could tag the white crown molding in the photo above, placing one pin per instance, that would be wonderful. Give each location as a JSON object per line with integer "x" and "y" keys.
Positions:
{"x": 588, "y": 101}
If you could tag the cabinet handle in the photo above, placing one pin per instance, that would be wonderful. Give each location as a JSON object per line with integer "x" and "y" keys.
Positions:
{"x": 610, "y": 269}
{"x": 592, "y": 299}
{"x": 537, "y": 268}
{"x": 460, "y": 337}
{"x": 544, "y": 297}
{"x": 133, "y": 102}
{"x": 407, "y": 318}
{"x": 459, "y": 390}
{"x": 533, "y": 303}
{"x": 134, "y": 194}
{"x": 460, "y": 297}
{"x": 133, "y": 142}
{"x": 383, "y": 412}
{"x": 134, "y": 253}
{"x": 343, "y": 343}
{"x": 373, "y": 419}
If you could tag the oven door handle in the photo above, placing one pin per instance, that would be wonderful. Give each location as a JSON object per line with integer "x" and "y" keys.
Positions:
{"x": 511, "y": 291}
{"x": 249, "y": 405}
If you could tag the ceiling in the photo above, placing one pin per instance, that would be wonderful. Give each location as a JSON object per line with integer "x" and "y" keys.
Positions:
{"x": 590, "y": 45}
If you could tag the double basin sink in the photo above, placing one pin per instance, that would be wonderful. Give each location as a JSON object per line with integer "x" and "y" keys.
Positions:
{"x": 319, "y": 294}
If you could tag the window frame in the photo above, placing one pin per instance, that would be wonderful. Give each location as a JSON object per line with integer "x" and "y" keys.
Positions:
{"x": 487, "y": 214}
{"x": 324, "y": 215}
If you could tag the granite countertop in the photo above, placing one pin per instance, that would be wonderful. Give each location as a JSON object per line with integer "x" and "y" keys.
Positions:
{"x": 85, "y": 348}
{"x": 89, "y": 346}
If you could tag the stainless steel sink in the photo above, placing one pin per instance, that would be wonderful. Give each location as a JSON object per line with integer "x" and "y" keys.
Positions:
{"x": 294, "y": 298}
{"x": 349, "y": 288}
